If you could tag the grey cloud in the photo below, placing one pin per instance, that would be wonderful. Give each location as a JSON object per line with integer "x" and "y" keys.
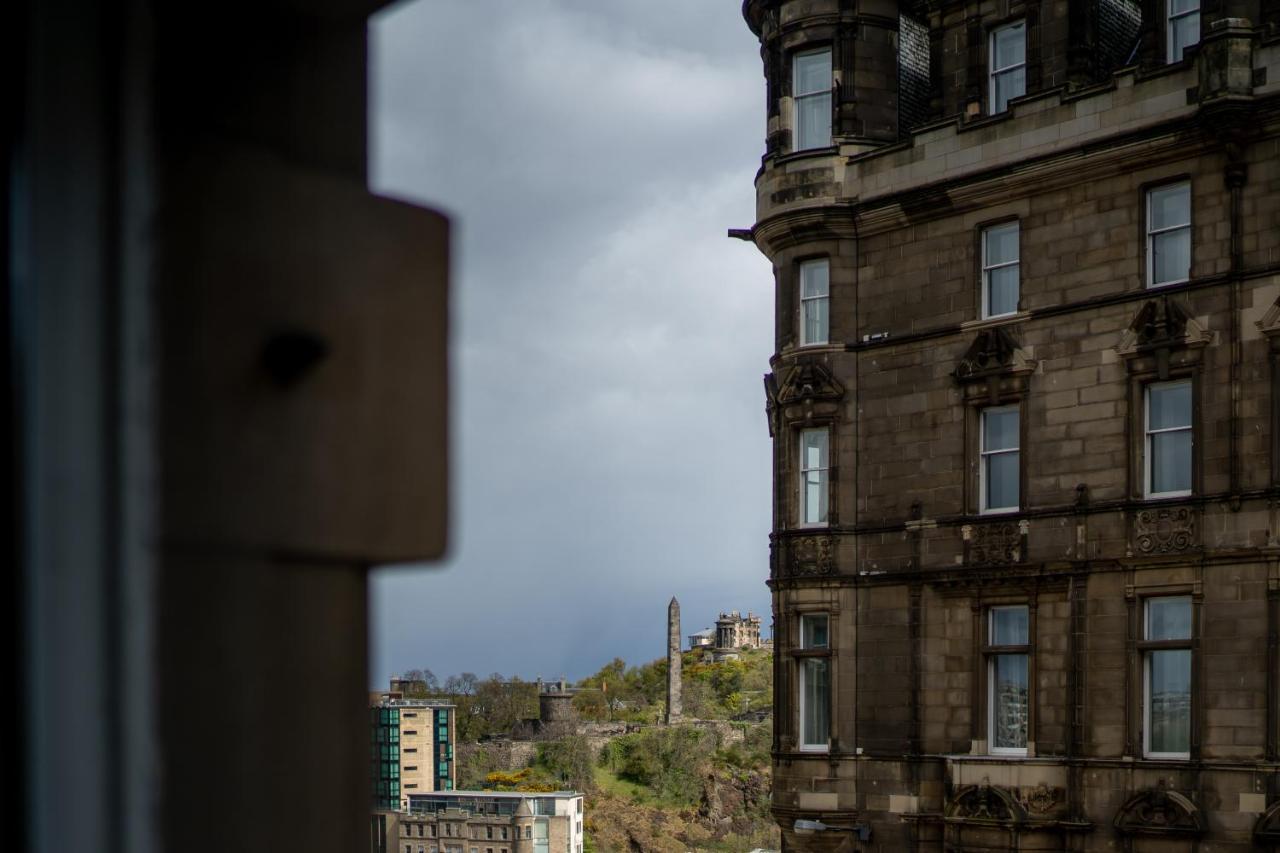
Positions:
{"x": 610, "y": 445}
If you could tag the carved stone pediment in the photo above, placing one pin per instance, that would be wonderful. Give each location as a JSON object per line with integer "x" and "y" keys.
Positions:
{"x": 985, "y": 804}
{"x": 808, "y": 381}
{"x": 1269, "y": 325}
{"x": 994, "y": 352}
{"x": 1267, "y": 829}
{"x": 1161, "y": 323}
{"x": 1165, "y": 530}
{"x": 1159, "y": 811}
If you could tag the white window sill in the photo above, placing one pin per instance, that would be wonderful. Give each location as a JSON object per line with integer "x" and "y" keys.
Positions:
{"x": 1003, "y": 510}
{"x": 1156, "y": 285}
{"x": 1161, "y": 496}
{"x": 816, "y": 750}
{"x": 1167, "y": 756}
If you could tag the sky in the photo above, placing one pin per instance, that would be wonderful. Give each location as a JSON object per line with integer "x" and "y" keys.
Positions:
{"x": 609, "y": 444}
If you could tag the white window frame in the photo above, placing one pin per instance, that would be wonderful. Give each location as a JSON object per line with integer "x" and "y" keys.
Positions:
{"x": 993, "y": 72}
{"x": 824, "y": 469}
{"x": 1170, "y": 18}
{"x": 1147, "y": 443}
{"x": 800, "y": 685}
{"x": 984, "y": 454}
{"x": 1153, "y": 232}
{"x": 797, "y": 97}
{"x": 1146, "y": 679}
{"x": 806, "y": 302}
{"x": 992, "y": 749}
{"x": 987, "y": 267}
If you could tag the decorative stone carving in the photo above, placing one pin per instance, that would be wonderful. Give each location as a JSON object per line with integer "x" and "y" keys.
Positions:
{"x": 993, "y": 544}
{"x": 1159, "y": 323}
{"x": 994, "y": 351}
{"x": 1040, "y": 799}
{"x": 811, "y": 555}
{"x": 985, "y": 803}
{"x": 808, "y": 380}
{"x": 1159, "y": 811}
{"x": 1165, "y": 530}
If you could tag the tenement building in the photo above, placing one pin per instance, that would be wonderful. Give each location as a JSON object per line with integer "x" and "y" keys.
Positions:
{"x": 1025, "y": 408}
{"x": 492, "y": 822}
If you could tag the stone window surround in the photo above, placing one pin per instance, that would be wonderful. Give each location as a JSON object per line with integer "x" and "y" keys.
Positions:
{"x": 799, "y": 264}
{"x": 799, "y": 654}
{"x": 793, "y": 55}
{"x": 1139, "y": 381}
{"x": 990, "y": 652}
{"x": 992, "y": 71}
{"x": 1135, "y": 672}
{"x": 980, "y": 710}
{"x": 794, "y": 475}
{"x": 980, "y": 255}
{"x": 981, "y": 91}
{"x": 1144, "y": 236}
{"x": 975, "y": 404}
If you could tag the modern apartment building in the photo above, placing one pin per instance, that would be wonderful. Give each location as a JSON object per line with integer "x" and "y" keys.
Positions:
{"x": 412, "y": 750}
{"x": 492, "y": 822}
{"x": 1025, "y": 405}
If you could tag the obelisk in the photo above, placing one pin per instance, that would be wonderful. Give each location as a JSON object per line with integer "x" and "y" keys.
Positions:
{"x": 673, "y": 661}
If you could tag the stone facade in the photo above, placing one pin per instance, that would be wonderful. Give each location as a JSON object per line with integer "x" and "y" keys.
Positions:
{"x": 902, "y": 720}
{"x": 492, "y": 822}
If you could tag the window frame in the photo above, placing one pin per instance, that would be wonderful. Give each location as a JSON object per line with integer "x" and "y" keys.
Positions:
{"x": 798, "y": 145}
{"x": 825, "y": 298}
{"x": 1148, "y": 443}
{"x": 991, "y": 651}
{"x": 1169, "y": 17}
{"x": 984, "y": 453}
{"x": 824, "y": 470}
{"x": 985, "y": 268}
{"x": 805, "y": 653}
{"x": 1151, "y": 233}
{"x": 1147, "y": 648}
{"x": 993, "y": 72}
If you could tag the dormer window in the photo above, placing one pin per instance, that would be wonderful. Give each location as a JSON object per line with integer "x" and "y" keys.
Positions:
{"x": 1184, "y": 27}
{"x": 1008, "y": 62}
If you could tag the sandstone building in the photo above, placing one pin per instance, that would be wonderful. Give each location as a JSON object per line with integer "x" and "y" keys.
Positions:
{"x": 489, "y": 822}
{"x": 411, "y": 750}
{"x": 1025, "y": 404}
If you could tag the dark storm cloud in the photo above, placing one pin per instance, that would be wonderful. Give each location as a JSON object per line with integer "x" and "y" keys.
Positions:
{"x": 610, "y": 447}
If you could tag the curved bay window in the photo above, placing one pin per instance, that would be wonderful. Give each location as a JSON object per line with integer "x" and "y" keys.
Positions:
{"x": 1008, "y": 651}
{"x": 814, "y": 682}
{"x": 1166, "y": 678}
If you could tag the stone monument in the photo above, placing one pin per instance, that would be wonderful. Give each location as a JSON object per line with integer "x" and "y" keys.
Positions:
{"x": 673, "y": 661}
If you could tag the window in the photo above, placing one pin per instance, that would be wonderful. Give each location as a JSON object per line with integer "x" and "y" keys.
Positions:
{"x": 1168, "y": 234}
{"x": 811, "y": 78}
{"x": 1008, "y": 687}
{"x": 1166, "y": 682}
{"x": 1008, "y": 65}
{"x": 409, "y": 749}
{"x": 421, "y": 831}
{"x": 815, "y": 689}
{"x": 1000, "y": 270}
{"x": 411, "y": 766}
{"x": 1167, "y": 455}
{"x": 999, "y": 469}
{"x": 504, "y": 833}
{"x": 1184, "y": 27}
{"x": 815, "y": 465}
{"x": 488, "y": 832}
{"x": 815, "y": 297}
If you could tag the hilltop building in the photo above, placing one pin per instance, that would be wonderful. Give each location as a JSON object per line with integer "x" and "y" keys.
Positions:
{"x": 1025, "y": 410}
{"x": 412, "y": 745}
{"x": 732, "y": 633}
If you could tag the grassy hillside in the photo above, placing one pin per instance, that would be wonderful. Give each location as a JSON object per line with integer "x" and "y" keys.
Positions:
{"x": 712, "y": 691}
